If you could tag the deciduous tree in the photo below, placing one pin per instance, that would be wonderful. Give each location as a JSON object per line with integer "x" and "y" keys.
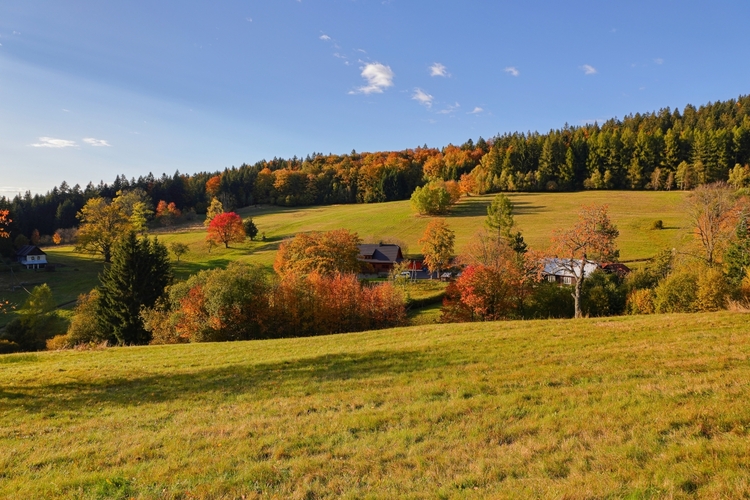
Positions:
{"x": 713, "y": 214}
{"x": 167, "y": 213}
{"x": 326, "y": 253}
{"x": 592, "y": 238}
{"x": 102, "y": 223}
{"x": 4, "y": 222}
{"x": 431, "y": 199}
{"x": 178, "y": 249}
{"x": 226, "y": 228}
{"x": 437, "y": 245}
{"x": 214, "y": 209}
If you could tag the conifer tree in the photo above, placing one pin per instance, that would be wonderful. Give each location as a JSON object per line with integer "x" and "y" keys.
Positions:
{"x": 136, "y": 279}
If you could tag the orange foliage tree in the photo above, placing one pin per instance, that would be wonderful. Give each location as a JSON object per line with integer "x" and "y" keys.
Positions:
{"x": 167, "y": 213}
{"x": 226, "y": 228}
{"x": 591, "y": 239}
{"x": 4, "y": 222}
{"x": 326, "y": 253}
{"x": 213, "y": 185}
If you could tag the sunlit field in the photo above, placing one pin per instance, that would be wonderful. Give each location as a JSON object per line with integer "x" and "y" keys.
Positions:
{"x": 627, "y": 407}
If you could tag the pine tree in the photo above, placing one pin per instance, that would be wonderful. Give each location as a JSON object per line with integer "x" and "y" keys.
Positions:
{"x": 136, "y": 278}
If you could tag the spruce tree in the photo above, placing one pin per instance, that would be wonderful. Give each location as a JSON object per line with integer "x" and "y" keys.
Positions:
{"x": 136, "y": 278}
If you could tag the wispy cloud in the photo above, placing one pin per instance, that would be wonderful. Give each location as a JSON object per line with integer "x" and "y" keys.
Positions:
{"x": 659, "y": 60}
{"x": 512, "y": 71}
{"x": 96, "y": 142}
{"x": 51, "y": 142}
{"x": 438, "y": 69}
{"x": 422, "y": 97}
{"x": 249, "y": 19}
{"x": 451, "y": 108}
{"x": 476, "y": 111}
{"x": 378, "y": 77}
{"x": 588, "y": 69}
{"x": 325, "y": 37}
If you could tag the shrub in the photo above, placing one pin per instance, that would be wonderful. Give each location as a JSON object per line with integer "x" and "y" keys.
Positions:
{"x": 603, "y": 295}
{"x": 713, "y": 290}
{"x": 677, "y": 293}
{"x": 84, "y": 328}
{"x": 640, "y": 302}
{"x": 657, "y": 224}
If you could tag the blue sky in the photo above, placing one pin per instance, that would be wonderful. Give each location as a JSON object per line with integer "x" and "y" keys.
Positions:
{"x": 90, "y": 90}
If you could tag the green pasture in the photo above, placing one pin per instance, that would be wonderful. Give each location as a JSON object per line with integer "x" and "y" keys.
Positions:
{"x": 627, "y": 407}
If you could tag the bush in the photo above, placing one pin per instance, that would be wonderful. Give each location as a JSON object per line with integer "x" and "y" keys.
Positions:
{"x": 603, "y": 295}
{"x": 58, "y": 343}
{"x": 713, "y": 290}
{"x": 84, "y": 328}
{"x": 550, "y": 300}
{"x": 677, "y": 293}
{"x": 657, "y": 224}
{"x": 641, "y": 302}
{"x": 8, "y": 347}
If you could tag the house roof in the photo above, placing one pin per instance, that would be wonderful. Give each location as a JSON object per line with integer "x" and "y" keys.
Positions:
{"x": 563, "y": 267}
{"x": 29, "y": 250}
{"x": 380, "y": 252}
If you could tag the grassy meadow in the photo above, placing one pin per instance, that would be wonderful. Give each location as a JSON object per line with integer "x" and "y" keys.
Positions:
{"x": 627, "y": 407}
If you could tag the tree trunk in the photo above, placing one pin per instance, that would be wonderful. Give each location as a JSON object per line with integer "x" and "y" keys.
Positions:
{"x": 577, "y": 295}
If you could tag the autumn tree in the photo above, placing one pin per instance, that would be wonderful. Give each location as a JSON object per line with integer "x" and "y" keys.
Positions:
{"x": 178, "y": 249}
{"x": 326, "y": 253}
{"x": 137, "y": 207}
{"x": 137, "y": 277}
{"x": 167, "y": 213}
{"x": 437, "y": 245}
{"x": 213, "y": 185}
{"x": 592, "y": 238}
{"x": 35, "y": 237}
{"x": 102, "y": 224}
{"x": 226, "y": 228}
{"x": 214, "y": 209}
{"x": 713, "y": 214}
{"x": 4, "y": 222}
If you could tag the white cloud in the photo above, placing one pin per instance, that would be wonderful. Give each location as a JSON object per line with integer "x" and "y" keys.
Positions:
{"x": 325, "y": 37}
{"x": 450, "y": 109}
{"x": 96, "y": 142}
{"x": 588, "y": 69}
{"x": 51, "y": 142}
{"x": 378, "y": 76}
{"x": 512, "y": 71}
{"x": 438, "y": 69}
{"x": 659, "y": 60}
{"x": 422, "y": 97}
{"x": 249, "y": 19}
{"x": 476, "y": 111}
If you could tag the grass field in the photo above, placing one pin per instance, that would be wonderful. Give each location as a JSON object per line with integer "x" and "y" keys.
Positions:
{"x": 537, "y": 215}
{"x": 628, "y": 407}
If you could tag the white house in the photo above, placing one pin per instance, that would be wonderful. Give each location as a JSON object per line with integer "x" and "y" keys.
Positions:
{"x": 566, "y": 271}
{"x": 32, "y": 257}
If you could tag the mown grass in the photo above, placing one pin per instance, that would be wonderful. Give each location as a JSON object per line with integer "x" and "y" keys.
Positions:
{"x": 628, "y": 407}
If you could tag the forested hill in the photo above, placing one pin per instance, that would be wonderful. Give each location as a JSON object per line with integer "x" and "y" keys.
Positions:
{"x": 662, "y": 150}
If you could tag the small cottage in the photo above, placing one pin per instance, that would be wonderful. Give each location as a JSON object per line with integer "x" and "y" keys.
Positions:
{"x": 562, "y": 270}
{"x": 380, "y": 256}
{"x": 32, "y": 257}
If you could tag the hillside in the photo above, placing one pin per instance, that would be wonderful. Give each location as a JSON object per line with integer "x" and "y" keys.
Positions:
{"x": 636, "y": 407}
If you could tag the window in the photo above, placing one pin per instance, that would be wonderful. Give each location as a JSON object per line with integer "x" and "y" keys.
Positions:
{"x": 551, "y": 278}
{"x": 568, "y": 280}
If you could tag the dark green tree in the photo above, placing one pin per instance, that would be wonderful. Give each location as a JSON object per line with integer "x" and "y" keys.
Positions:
{"x": 251, "y": 230}
{"x": 137, "y": 277}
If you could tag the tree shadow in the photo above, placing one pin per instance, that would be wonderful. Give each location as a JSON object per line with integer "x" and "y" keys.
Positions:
{"x": 477, "y": 207}
{"x": 265, "y": 380}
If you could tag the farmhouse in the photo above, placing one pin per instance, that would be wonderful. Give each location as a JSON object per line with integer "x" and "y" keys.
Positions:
{"x": 561, "y": 270}
{"x": 381, "y": 256}
{"x": 32, "y": 257}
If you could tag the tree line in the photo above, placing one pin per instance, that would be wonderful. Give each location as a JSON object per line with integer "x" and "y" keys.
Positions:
{"x": 667, "y": 149}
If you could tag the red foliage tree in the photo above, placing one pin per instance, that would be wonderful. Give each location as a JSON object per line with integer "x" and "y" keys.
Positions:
{"x": 226, "y": 228}
{"x": 167, "y": 213}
